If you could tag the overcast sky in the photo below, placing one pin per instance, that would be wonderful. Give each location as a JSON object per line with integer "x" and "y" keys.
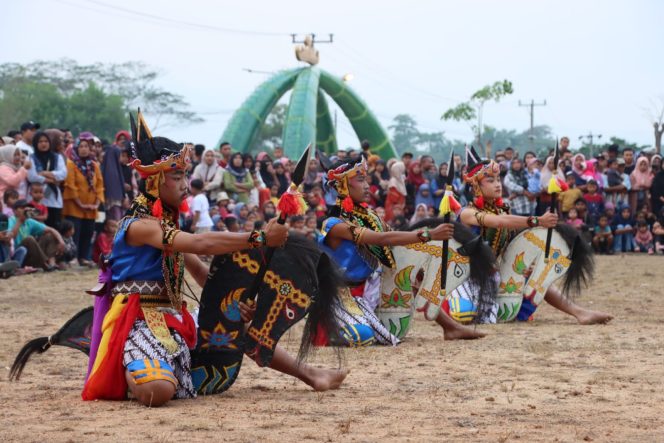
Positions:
{"x": 597, "y": 64}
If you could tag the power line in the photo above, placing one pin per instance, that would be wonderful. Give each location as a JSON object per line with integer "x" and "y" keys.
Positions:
{"x": 532, "y": 105}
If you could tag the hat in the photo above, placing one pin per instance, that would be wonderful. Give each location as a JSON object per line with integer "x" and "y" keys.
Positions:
{"x": 21, "y": 203}
{"x": 620, "y": 161}
{"x": 222, "y": 196}
{"x": 30, "y": 125}
{"x": 86, "y": 136}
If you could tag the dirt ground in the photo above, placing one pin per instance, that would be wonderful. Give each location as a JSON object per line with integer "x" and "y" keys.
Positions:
{"x": 547, "y": 380}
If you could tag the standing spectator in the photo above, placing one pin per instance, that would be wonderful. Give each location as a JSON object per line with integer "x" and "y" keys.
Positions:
{"x": 9, "y": 199}
{"x": 421, "y": 213}
{"x": 516, "y": 183}
{"x": 407, "y": 158}
{"x": 438, "y": 184}
{"x": 396, "y": 194}
{"x": 595, "y": 202}
{"x": 567, "y": 199}
{"x": 643, "y": 239}
{"x": 84, "y": 191}
{"x": 282, "y": 181}
{"x": 545, "y": 177}
{"x": 623, "y": 231}
{"x": 200, "y": 208}
{"x": 210, "y": 173}
{"x": 225, "y": 149}
{"x": 641, "y": 180}
{"x": 50, "y": 169}
{"x": 657, "y": 192}
{"x": 13, "y": 171}
{"x": 628, "y": 157}
{"x": 579, "y": 171}
{"x": 424, "y": 197}
{"x": 113, "y": 177}
{"x": 28, "y": 130}
{"x": 615, "y": 186}
{"x": 237, "y": 179}
{"x": 197, "y": 156}
{"x": 428, "y": 168}
{"x": 128, "y": 174}
{"x": 534, "y": 179}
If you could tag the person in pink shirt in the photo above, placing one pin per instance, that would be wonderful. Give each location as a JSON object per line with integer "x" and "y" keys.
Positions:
{"x": 13, "y": 172}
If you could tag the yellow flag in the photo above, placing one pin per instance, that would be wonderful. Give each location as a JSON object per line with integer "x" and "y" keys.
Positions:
{"x": 554, "y": 187}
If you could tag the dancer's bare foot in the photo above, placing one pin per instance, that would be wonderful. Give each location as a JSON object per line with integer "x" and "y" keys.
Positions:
{"x": 462, "y": 333}
{"x": 588, "y": 317}
{"x": 326, "y": 379}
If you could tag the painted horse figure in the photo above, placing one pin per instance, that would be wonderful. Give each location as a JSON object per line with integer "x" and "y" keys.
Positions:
{"x": 301, "y": 280}
{"x": 524, "y": 275}
{"x": 415, "y": 282}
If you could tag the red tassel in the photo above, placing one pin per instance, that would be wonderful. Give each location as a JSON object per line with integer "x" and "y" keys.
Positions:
{"x": 479, "y": 202}
{"x": 455, "y": 206}
{"x": 157, "y": 209}
{"x": 289, "y": 204}
{"x": 563, "y": 185}
{"x": 499, "y": 203}
{"x": 347, "y": 204}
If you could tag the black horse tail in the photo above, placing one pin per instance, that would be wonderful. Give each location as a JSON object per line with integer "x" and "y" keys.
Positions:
{"x": 322, "y": 315}
{"x": 582, "y": 261}
{"x": 76, "y": 327}
{"x": 482, "y": 262}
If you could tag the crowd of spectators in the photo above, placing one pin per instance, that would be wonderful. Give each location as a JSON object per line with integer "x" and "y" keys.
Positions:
{"x": 62, "y": 197}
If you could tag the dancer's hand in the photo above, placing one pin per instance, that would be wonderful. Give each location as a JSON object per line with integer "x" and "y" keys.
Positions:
{"x": 276, "y": 234}
{"x": 247, "y": 310}
{"x": 548, "y": 220}
{"x": 444, "y": 231}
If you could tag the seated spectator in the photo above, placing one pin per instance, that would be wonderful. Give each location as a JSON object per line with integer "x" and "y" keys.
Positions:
{"x": 602, "y": 236}
{"x": 43, "y": 243}
{"x": 658, "y": 234}
{"x": 9, "y": 199}
{"x": 623, "y": 231}
{"x": 36, "y": 197}
{"x": 104, "y": 241}
{"x": 574, "y": 220}
{"x": 69, "y": 254}
{"x": 424, "y": 197}
{"x": 643, "y": 239}
{"x": 594, "y": 201}
{"x": 567, "y": 199}
{"x": 13, "y": 170}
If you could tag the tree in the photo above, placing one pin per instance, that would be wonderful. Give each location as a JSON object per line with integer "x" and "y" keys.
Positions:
{"x": 474, "y": 108}
{"x": 656, "y": 114}
{"x": 405, "y": 135}
{"x": 272, "y": 130}
{"x": 133, "y": 82}
{"x": 542, "y": 140}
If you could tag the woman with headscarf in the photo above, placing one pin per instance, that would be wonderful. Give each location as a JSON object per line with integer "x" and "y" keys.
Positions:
{"x": 396, "y": 193}
{"x": 516, "y": 183}
{"x": 580, "y": 171}
{"x": 281, "y": 176}
{"x": 545, "y": 176}
{"x": 424, "y": 196}
{"x": 421, "y": 213}
{"x": 641, "y": 179}
{"x": 51, "y": 170}
{"x": 84, "y": 191}
{"x": 237, "y": 179}
{"x": 657, "y": 193}
{"x": 111, "y": 170}
{"x": 210, "y": 173}
{"x": 13, "y": 172}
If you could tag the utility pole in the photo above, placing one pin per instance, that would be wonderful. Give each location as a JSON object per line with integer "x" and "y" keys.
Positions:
{"x": 532, "y": 105}
{"x": 590, "y": 137}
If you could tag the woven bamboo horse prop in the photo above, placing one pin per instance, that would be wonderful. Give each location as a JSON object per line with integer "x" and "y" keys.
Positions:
{"x": 301, "y": 280}
{"x": 570, "y": 257}
{"x": 468, "y": 258}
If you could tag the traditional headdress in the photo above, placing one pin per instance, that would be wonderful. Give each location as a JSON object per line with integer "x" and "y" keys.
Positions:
{"x": 155, "y": 156}
{"x": 339, "y": 178}
{"x": 476, "y": 170}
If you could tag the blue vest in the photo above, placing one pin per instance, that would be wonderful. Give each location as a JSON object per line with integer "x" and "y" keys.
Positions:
{"x": 346, "y": 255}
{"x": 134, "y": 263}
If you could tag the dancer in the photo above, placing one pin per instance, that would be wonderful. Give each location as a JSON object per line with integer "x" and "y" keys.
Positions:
{"x": 358, "y": 241}
{"x": 147, "y": 332}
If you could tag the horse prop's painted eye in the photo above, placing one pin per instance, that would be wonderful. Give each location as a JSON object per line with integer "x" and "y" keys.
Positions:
{"x": 289, "y": 312}
{"x": 558, "y": 268}
{"x": 458, "y": 271}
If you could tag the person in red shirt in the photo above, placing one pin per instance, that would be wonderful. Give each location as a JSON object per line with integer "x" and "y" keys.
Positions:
{"x": 226, "y": 150}
{"x": 104, "y": 241}
{"x": 37, "y": 195}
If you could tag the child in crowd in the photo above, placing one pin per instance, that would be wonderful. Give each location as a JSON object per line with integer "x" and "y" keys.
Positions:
{"x": 70, "y": 251}
{"x": 567, "y": 199}
{"x": 623, "y": 230}
{"x": 594, "y": 201}
{"x": 10, "y": 197}
{"x": 297, "y": 224}
{"x": 37, "y": 195}
{"x": 231, "y": 224}
{"x": 602, "y": 237}
{"x": 658, "y": 233}
{"x": 311, "y": 227}
{"x": 574, "y": 220}
{"x": 643, "y": 240}
{"x": 200, "y": 208}
{"x": 104, "y": 241}
{"x": 534, "y": 176}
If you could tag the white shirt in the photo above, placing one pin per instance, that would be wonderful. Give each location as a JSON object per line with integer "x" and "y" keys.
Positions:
{"x": 23, "y": 146}
{"x": 201, "y": 205}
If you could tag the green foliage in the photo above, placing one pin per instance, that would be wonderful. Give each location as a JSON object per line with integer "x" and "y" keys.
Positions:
{"x": 493, "y": 92}
{"x": 462, "y": 112}
{"x": 406, "y": 137}
{"x": 272, "y": 130}
{"x": 54, "y": 93}
{"x": 542, "y": 141}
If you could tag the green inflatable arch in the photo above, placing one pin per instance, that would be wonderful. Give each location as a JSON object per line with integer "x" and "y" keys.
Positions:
{"x": 308, "y": 118}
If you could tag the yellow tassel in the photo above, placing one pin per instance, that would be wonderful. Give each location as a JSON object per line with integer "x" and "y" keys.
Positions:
{"x": 444, "y": 207}
{"x": 554, "y": 187}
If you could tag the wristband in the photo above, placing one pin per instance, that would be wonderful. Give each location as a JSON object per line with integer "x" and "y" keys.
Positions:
{"x": 257, "y": 239}
{"x": 424, "y": 236}
{"x": 533, "y": 221}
